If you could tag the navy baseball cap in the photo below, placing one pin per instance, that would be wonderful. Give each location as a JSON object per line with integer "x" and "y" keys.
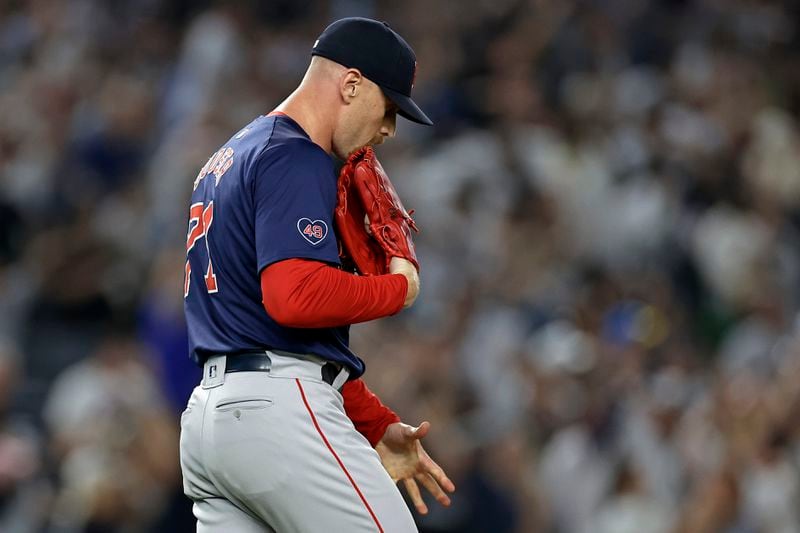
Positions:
{"x": 380, "y": 54}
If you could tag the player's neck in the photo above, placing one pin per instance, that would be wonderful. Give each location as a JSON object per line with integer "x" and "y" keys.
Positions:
{"x": 311, "y": 115}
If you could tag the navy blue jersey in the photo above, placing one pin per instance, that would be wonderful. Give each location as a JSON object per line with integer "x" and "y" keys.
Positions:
{"x": 268, "y": 194}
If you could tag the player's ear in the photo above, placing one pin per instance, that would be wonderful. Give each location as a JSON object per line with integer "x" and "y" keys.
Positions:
{"x": 351, "y": 84}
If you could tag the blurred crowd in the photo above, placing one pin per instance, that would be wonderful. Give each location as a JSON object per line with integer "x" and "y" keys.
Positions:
{"x": 608, "y": 333}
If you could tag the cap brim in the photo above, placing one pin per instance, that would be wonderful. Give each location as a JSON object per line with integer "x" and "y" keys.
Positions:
{"x": 408, "y": 108}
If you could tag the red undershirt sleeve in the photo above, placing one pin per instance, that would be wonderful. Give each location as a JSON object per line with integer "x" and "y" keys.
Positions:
{"x": 364, "y": 408}
{"x": 303, "y": 293}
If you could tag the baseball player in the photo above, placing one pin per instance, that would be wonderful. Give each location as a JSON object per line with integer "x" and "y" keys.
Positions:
{"x": 282, "y": 434}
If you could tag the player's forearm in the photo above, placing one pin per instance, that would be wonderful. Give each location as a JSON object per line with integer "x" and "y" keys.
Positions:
{"x": 367, "y": 412}
{"x": 303, "y": 293}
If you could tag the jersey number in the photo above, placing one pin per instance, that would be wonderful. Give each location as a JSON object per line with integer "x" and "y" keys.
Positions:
{"x": 315, "y": 231}
{"x": 200, "y": 219}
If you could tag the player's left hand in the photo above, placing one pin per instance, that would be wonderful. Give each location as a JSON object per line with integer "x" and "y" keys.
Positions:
{"x": 405, "y": 459}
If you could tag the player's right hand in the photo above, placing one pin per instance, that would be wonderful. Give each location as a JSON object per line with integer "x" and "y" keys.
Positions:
{"x": 399, "y": 265}
{"x": 404, "y": 458}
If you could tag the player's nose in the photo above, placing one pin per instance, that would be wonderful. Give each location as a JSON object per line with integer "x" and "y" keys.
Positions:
{"x": 386, "y": 133}
{"x": 389, "y": 126}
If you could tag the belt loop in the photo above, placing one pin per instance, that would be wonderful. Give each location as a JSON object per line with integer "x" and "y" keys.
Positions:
{"x": 214, "y": 372}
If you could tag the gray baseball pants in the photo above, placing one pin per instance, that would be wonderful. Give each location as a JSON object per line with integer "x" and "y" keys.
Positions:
{"x": 275, "y": 452}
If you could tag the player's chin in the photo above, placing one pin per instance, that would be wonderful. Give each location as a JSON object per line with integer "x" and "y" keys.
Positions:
{"x": 343, "y": 152}
{"x": 375, "y": 141}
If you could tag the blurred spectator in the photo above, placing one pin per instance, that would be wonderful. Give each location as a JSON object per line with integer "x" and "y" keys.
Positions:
{"x": 114, "y": 439}
{"x": 630, "y": 508}
{"x": 162, "y": 329}
{"x": 607, "y": 335}
{"x": 25, "y": 494}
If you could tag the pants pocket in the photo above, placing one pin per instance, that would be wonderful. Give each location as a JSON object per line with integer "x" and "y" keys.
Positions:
{"x": 243, "y": 404}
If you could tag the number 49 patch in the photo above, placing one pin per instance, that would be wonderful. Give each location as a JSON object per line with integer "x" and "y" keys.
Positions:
{"x": 314, "y": 231}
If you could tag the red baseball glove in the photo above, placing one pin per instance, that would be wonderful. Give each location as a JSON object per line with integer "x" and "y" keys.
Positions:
{"x": 364, "y": 190}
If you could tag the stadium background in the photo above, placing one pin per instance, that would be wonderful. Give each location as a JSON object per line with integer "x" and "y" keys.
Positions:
{"x": 607, "y": 337}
